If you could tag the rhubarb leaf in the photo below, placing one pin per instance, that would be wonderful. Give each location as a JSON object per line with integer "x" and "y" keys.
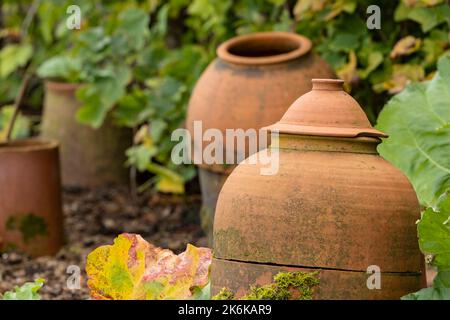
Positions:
{"x": 434, "y": 232}
{"x": 133, "y": 269}
{"x": 418, "y": 123}
{"x": 434, "y": 238}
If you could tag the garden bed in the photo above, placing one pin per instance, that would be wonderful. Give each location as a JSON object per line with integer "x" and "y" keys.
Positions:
{"x": 94, "y": 218}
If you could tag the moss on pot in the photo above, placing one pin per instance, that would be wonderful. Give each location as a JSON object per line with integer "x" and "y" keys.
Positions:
{"x": 285, "y": 286}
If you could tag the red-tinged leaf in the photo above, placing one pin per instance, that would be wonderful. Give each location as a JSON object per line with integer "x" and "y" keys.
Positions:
{"x": 133, "y": 269}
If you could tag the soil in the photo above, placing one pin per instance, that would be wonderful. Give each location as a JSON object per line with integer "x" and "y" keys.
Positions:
{"x": 94, "y": 218}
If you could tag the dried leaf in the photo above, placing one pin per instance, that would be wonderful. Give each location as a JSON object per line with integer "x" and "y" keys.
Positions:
{"x": 303, "y": 6}
{"x": 405, "y": 46}
{"x": 340, "y": 6}
{"x": 133, "y": 269}
{"x": 167, "y": 180}
{"x": 402, "y": 75}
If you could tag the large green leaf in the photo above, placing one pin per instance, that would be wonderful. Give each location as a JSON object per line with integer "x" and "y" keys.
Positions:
{"x": 133, "y": 269}
{"x": 434, "y": 238}
{"x": 439, "y": 291}
{"x": 418, "y": 123}
{"x": 434, "y": 232}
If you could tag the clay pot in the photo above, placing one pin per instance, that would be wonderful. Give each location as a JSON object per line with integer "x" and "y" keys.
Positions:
{"x": 30, "y": 197}
{"x": 250, "y": 85}
{"x": 334, "y": 205}
{"x": 89, "y": 157}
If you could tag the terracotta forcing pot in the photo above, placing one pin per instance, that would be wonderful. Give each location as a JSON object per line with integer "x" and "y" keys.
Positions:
{"x": 250, "y": 85}
{"x": 30, "y": 197}
{"x": 333, "y": 205}
{"x": 89, "y": 157}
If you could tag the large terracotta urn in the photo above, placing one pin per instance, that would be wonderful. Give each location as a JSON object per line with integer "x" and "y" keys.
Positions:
{"x": 89, "y": 157}
{"x": 333, "y": 205}
{"x": 248, "y": 86}
{"x": 31, "y": 217}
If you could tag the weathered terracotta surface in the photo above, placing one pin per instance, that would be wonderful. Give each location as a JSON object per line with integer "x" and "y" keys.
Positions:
{"x": 334, "y": 203}
{"x": 30, "y": 186}
{"x": 334, "y": 284}
{"x": 250, "y": 85}
{"x": 253, "y": 81}
{"x": 89, "y": 157}
{"x": 210, "y": 182}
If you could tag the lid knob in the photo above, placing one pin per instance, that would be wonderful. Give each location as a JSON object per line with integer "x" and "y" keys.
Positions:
{"x": 327, "y": 84}
{"x": 327, "y": 110}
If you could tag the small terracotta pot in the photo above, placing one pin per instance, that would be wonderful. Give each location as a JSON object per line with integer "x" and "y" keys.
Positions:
{"x": 89, "y": 157}
{"x": 30, "y": 197}
{"x": 250, "y": 85}
{"x": 334, "y": 204}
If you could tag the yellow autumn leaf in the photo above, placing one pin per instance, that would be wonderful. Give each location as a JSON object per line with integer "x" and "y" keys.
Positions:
{"x": 133, "y": 269}
{"x": 303, "y": 6}
{"x": 402, "y": 74}
{"x": 167, "y": 180}
{"x": 405, "y": 46}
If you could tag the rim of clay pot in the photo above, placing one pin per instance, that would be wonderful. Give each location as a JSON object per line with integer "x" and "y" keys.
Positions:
{"x": 264, "y": 48}
{"x": 28, "y": 145}
{"x": 61, "y": 86}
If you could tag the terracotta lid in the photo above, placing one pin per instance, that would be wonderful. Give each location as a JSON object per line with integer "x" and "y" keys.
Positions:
{"x": 327, "y": 110}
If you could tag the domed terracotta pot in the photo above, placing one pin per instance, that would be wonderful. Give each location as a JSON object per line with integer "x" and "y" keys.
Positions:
{"x": 334, "y": 205}
{"x": 250, "y": 85}
{"x": 30, "y": 197}
{"x": 89, "y": 157}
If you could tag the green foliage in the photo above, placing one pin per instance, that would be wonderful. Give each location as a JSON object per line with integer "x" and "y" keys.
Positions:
{"x": 285, "y": 286}
{"x": 101, "y": 59}
{"x": 418, "y": 122}
{"x": 21, "y": 128}
{"x": 13, "y": 56}
{"x": 28, "y": 291}
{"x": 127, "y": 70}
{"x": 434, "y": 238}
{"x": 31, "y": 32}
{"x": 378, "y": 62}
{"x": 139, "y": 60}
{"x": 434, "y": 232}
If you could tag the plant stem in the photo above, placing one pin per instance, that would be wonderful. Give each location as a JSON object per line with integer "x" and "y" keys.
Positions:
{"x": 133, "y": 185}
{"x": 17, "y": 103}
{"x": 29, "y": 18}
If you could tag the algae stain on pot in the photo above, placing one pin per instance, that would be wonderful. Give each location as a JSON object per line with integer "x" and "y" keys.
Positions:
{"x": 227, "y": 241}
{"x": 29, "y": 225}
